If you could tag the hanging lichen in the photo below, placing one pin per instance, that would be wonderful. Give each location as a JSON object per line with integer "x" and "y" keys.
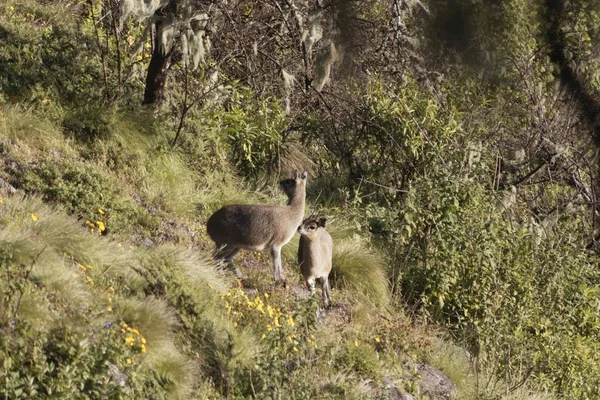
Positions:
{"x": 195, "y": 35}
{"x": 141, "y": 10}
{"x": 165, "y": 33}
{"x": 325, "y": 60}
{"x": 313, "y": 32}
{"x": 188, "y": 25}
{"x": 288, "y": 86}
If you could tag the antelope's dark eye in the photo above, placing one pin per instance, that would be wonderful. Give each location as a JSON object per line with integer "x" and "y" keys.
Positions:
{"x": 312, "y": 228}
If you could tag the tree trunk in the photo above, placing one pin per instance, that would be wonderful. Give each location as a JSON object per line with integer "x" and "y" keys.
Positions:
{"x": 157, "y": 73}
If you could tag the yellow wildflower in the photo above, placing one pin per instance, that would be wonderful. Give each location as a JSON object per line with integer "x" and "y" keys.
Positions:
{"x": 34, "y": 217}
{"x": 101, "y": 226}
{"x": 263, "y": 336}
{"x": 109, "y": 308}
{"x": 89, "y": 223}
{"x": 290, "y": 320}
{"x": 295, "y": 349}
{"x": 143, "y": 348}
{"x": 129, "y": 361}
{"x": 377, "y": 339}
{"x": 143, "y": 340}
{"x": 129, "y": 340}
{"x": 266, "y": 295}
{"x": 355, "y": 343}
{"x": 136, "y": 331}
{"x": 235, "y": 324}
{"x": 269, "y": 327}
{"x": 100, "y": 211}
{"x": 1, "y": 200}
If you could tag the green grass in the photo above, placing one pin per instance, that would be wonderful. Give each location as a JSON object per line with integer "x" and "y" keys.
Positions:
{"x": 33, "y": 133}
{"x": 150, "y": 274}
{"x": 76, "y": 272}
{"x": 172, "y": 294}
{"x": 359, "y": 268}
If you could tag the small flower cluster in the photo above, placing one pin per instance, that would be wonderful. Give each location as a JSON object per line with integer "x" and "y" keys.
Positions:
{"x": 245, "y": 310}
{"x": 277, "y": 329}
{"x": 98, "y": 225}
{"x": 85, "y": 269}
{"x": 111, "y": 292}
{"x": 133, "y": 338}
{"x": 24, "y": 15}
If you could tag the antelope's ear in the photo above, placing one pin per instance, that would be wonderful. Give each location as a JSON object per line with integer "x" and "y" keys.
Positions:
{"x": 322, "y": 222}
{"x": 304, "y": 175}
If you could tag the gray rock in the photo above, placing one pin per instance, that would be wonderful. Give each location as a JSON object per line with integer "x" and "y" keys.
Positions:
{"x": 392, "y": 392}
{"x": 6, "y": 187}
{"x": 118, "y": 377}
{"x": 436, "y": 384}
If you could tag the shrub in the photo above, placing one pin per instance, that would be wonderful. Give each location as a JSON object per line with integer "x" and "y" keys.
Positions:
{"x": 509, "y": 295}
{"x": 82, "y": 190}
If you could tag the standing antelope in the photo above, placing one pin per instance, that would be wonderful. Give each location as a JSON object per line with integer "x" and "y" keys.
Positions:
{"x": 257, "y": 227}
{"x": 315, "y": 254}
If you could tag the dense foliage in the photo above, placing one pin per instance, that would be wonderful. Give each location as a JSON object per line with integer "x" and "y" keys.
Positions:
{"x": 453, "y": 142}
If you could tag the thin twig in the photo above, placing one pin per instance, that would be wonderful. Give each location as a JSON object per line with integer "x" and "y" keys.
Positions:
{"x": 102, "y": 55}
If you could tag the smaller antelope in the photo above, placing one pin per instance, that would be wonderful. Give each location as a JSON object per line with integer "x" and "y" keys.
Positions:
{"x": 259, "y": 227}
{"x": 315, "y": 253}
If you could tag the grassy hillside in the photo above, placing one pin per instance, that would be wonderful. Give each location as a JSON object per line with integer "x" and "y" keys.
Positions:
{"x": 118, "y": 297}
{"x": 459, "y": 194}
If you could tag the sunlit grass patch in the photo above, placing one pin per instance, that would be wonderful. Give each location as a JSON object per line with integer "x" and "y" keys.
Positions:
{"x": 173, "y": 371}
{"x": 51, "y": 230}
{"x": 216, "y": 189}
{"x": 150, "y": 316}
{"x": 186, "y": 268}
{"x": 359, "y": 268}
{"x": 171, "y": 184}
{"x": 32, "y": 133}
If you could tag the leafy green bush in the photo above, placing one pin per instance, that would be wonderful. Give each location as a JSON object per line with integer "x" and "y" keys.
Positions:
{"x": 57, "y": 330}
{"x": 254, "y": 130}
{"x": 95, "y": 363}
{"x": 82, "y": 190}
{"x": 518, "y": 300}
{"x": 71, "y": 69}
